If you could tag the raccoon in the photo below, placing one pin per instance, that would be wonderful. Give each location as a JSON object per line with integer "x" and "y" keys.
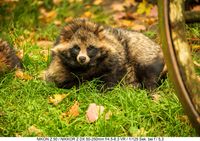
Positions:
{"x": 8, "y": 58}
{"x": 85, "y": 50}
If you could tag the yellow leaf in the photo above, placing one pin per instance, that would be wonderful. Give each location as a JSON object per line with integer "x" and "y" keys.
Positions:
{"x": 21, "y": 75}
{"x": 108, "y": 115}
{"x": 135, "y": 132}
{"x": 125, "y": 23}
{"x": 34, "y": 130}
{"x": 57, "y": 98}
{"x": 68, "y": 19}
{"x": 141, "y": 7}
{"x": 47, "y": 16}
{"x": 57, "y": 22}
{"x": 97, "y": 2}
{"x": 87, "y": 14}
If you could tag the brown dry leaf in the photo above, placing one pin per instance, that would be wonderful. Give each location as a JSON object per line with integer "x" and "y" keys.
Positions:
{"x": 57, "y": 2}
{"x": 57, "y": 98}
{"x": 74, "y": 110}
{"x": 47, "y": 16}
{"x": 93, "y": 112}
{"x": 150, "y": 21}
{"x": 34, "y": 130}
{"x": 117, "y": 7}
{"x": 125, "y": 23}
{"x": 22, "y": 75}
{"x": 138, "y": 27}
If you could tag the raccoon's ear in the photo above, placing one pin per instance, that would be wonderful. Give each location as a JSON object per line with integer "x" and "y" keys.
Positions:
{"x": 100, "y": 32}
{"x": 58, "y": 48}
{"x": 68, "y": 31}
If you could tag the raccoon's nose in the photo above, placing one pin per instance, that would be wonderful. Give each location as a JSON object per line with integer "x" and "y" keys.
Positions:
{"x": 82, "y": 59}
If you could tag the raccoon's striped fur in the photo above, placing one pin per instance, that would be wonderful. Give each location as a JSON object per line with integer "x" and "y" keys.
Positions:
{"x": 8, "y": 58}
{"x": 86, "y": 50}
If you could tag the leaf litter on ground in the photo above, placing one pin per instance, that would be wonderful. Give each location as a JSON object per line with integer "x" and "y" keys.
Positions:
{"x": 57, "y": 98}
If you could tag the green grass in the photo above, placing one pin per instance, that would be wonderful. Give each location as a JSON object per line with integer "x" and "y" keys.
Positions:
{"x": 24, "y": 103}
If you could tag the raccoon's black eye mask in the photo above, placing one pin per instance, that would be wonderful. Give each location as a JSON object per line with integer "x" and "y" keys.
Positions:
{"x": 92, "y": 51}
{"x": 74, "y": 51}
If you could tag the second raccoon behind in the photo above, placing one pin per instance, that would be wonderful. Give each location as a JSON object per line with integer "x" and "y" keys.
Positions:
{"x": 85, "y": 50}
{"x": 8, "y": 58}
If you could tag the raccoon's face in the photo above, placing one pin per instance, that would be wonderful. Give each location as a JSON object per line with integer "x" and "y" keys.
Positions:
{"x": 80, "y": 53}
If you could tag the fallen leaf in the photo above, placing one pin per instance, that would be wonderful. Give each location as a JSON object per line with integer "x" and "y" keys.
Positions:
{"x": 57, "y": 2}
{"x": 144, "y": 8}
{"x": 183, "y": 118}
{"x": 155, "y": 97}
{"x": 87, "y": 14}
{"x": 57, "y": 23}
{"x": 68, "y": 19}
{"x": 57, "y": 98}
{"x": 135, "y": 132}
{"x": 18, "y": 135}
{"x": 74, "y": 110}
{"x": 125, "y": 23}
{"x": 108, "y": 115}
{"x": 47, "y": 16}
{"x": 35, "y": 130}
{"x": 45, "y": 44}
{"x": 119, "y": 15}
{"x": 22, "y": 75}
{"x": 138, "y": 27}
{"x": 117, "y": 7}
{"x": 97, "y": 2}
{"x": 93, "y": 112}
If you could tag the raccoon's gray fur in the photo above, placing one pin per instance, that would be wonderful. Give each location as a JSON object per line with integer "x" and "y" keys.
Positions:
{"x": 8, "y": 58}
{"x": 86, "y": 50}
